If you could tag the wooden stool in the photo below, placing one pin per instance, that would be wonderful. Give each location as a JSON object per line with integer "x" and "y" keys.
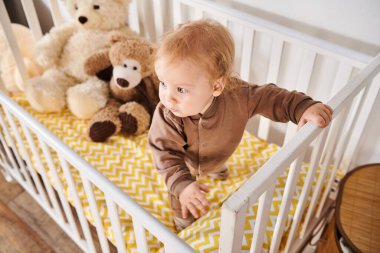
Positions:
{"x": 358, "y": 209}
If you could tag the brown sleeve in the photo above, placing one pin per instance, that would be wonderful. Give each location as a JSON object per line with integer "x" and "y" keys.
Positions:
{"x": 276, "y": 103}
{"x": 166, "y": 141}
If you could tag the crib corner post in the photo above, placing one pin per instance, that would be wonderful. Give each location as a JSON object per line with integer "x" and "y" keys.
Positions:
{"x": 232, "y": 225}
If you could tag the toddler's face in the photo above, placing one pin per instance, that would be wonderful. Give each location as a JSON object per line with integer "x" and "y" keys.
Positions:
{"x": 185, "y": 87}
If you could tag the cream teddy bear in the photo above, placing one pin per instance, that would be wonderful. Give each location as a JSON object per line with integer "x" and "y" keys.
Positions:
{"x": 63, "y": 52}
{"x": 8, "y": 68}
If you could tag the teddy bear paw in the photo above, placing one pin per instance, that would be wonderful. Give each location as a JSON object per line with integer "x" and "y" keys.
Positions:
{"x": 101, "y": 131}
{"x": 128, "y": 123}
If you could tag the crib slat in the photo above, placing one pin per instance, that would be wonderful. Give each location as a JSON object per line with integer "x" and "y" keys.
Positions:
{"x": 35, "y": 154}
{"x": 223, "y": 21}
{"x": 50, "y": 190}
{"x": 78, "y": 203}
{"x": 158, "y": 18}
{"x": 7, "y": 149}
{"x": 322, "y": 175}
{"x": 115, "y": 221}
{"x": 142, "y": 18}
{"x": 4, "y": 165}
{"x": 134, "y": 22}
{"x": 31, "y": 16}
{"x": 7, "y": 169}
{"x": 246, "y": 53}
{"x": 198, "y": 14}
{"x": 232, "y": 228}
{"x": 290, "y": 185}
{"x": 20, "y": 162}
{"x": 272, "y": 76}
{"x": 12, "y": 42}
{"x": 56, "y": 13}
{"x": 316, "y": 156}
{"x": 341, "y": 78}
{"x": 275, "y": 60}
{"x": 177, "y": 12}
{"x": 142, "y": 244}
{"x": 95, "y": 213}
{"x": 340, "y": 151}
{"x": 361, "y": 122}
{"x": 2, "y": 154}
{"x": 59, "y": 187}
{"x": 302, "y": 85}
{"x": 265, "y": 203}
{"x": 306, "y": 70}
{"x": 29, "y": 168}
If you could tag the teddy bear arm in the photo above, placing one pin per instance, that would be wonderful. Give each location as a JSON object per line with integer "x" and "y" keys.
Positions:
{"x": 50, "y": 46}
{"x": 99, "y": 64}
{"x": 152, "y": 86}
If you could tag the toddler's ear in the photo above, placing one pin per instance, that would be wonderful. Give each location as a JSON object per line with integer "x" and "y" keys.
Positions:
{"x": 218, "y": 87}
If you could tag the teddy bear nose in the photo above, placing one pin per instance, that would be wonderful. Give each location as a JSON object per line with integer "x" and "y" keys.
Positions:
{"x": 122, "y": 82}
{"x": 82, "y": 19}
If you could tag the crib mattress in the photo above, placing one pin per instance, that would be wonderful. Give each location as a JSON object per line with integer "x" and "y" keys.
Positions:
{"x": 127, "y": 162}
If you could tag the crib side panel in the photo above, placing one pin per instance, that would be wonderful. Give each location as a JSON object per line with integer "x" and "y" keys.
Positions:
{"x": 325, "y": 167}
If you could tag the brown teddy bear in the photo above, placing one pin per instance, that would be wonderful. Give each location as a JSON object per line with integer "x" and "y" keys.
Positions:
{"x": 128, "y": 65}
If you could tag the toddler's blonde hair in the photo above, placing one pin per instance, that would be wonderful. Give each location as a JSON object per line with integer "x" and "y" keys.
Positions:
{"x": 205, "y": 42}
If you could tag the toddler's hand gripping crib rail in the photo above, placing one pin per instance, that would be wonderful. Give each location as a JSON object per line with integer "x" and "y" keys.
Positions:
{"x": 32, "y": 155}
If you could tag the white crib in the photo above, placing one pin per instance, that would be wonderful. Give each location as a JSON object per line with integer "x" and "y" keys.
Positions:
{"x": 347, "y": 80}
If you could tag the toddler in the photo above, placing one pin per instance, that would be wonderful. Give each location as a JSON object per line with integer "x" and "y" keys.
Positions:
{"x": 203, "y": 112}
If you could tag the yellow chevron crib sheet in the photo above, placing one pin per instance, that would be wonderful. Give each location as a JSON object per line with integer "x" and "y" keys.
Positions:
{"x": 127, "y": 162}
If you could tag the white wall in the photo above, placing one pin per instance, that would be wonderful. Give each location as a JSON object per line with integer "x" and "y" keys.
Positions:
{"x": 353, "y": 20}
{"x": 354, "y": 24}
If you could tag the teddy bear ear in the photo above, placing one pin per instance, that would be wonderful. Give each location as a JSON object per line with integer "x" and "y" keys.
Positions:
{"x": 115, "y": 37}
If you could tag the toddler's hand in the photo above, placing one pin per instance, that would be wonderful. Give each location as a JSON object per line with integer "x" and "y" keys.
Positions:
{"x": 320, "y": 114}
{"x": 192, "y": 199}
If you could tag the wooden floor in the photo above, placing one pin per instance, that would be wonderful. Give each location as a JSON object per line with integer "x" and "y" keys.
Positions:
{"x": 327, "y": 242}
{"x": 25, "y": 227}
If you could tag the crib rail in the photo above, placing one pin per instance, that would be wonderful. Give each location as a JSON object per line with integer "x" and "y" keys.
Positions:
{"x": 259, "y": 188}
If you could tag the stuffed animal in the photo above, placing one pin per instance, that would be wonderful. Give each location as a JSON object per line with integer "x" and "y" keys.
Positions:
{"x": 8, "y": 68}
{"x": 133, "y": 85}
{"x": 65, "y": 48}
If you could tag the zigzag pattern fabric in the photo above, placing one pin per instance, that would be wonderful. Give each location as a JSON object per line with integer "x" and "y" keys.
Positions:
{"x": 127, "y": 162}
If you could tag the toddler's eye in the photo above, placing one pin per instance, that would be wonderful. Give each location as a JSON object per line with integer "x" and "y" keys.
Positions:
{"x": 163, "y": 84}
{"x": 96, "y": 7}
{"x": 181, "y": 90}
